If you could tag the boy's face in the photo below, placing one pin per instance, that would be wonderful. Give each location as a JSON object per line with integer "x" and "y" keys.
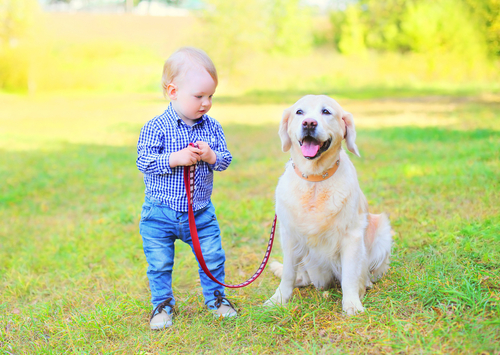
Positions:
{"x": 191, "y": 96}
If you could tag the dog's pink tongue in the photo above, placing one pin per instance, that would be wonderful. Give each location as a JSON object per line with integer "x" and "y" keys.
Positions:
{"x": 309, "y": 148}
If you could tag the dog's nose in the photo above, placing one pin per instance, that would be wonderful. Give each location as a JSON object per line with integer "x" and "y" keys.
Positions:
{"x": 309, "y": 123}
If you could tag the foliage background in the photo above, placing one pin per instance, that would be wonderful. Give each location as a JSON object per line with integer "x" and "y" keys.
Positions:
{"x": 265, "y": 45}
{"x": 421, "y": 79}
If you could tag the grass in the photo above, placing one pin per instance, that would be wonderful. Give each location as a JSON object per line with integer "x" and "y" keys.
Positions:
{"x": 72, "y": 269}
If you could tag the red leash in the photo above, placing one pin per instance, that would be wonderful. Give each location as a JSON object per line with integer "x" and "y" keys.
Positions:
{"x": 189, "y": 184}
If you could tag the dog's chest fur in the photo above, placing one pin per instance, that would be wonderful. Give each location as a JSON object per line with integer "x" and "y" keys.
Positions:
{"x": 317, "y": 212}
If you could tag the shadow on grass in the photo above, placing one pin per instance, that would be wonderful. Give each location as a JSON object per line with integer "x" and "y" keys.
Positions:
{"x": 106, "y": 169}
{"x": 68, "y": 175}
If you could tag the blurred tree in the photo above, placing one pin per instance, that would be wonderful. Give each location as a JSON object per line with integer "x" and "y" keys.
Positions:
{"x": 487, "y": 14}
{"x": 443, "y": 26}
{"x": 383, "y": 20}
{"x": 290, "y": 26}
{"x": 16, "y": 19}
{"x": 421, "y": 26}
{"x": 352, "y": 39}
{"x": 337, "y": 18}
{"x": 17, "y": 30}
{"x": 380, "y": 20}
{"x": 233, "y": 30}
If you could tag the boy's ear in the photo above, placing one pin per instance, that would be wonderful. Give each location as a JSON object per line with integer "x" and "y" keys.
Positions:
{"x": 286, "y": 142}
{"x": 172, "y": 91}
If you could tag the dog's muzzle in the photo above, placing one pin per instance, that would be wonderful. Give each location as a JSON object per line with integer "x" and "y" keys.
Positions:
{"x": 312, "y": 148}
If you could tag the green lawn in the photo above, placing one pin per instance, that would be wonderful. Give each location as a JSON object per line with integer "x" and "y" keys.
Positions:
{"x": 73, "y": 273}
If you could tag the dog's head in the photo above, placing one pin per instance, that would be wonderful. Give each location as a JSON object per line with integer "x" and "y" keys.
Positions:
{"x": 316, "y": 125}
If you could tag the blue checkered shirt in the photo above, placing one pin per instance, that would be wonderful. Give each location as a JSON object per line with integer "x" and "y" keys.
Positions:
{"x": 166, "y": 134}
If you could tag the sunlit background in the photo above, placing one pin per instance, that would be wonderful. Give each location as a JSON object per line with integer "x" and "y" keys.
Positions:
{"x": 257, "y": 45}
{"x": 78, "y": 80}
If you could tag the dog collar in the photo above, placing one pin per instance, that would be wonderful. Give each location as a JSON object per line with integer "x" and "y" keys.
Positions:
{"x": 316, "y": 178}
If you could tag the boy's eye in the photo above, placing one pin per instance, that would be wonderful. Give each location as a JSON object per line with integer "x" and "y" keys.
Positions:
{"x": 198, "y": 97}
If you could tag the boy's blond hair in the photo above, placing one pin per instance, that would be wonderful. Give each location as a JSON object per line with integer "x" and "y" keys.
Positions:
{"x": 180, "y": 62}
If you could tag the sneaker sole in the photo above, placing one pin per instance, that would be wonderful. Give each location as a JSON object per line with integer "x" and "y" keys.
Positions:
{"x": 227, "y": 315}
{"x": 160, "y": 326}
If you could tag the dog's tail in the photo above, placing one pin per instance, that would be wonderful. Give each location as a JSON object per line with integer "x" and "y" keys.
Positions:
{"x": 378, "y": 242}
{"x": 276, "y": 268}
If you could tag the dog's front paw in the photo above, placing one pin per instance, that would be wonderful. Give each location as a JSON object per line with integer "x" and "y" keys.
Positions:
{"x": 352, "y": 307}
{"x": 271, "y": 303}
{"x": 276, "y": 300}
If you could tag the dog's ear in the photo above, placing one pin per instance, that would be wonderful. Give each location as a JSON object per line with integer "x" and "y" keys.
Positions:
{"x": 286, "y": 142}
{"x": 350, "y": 133}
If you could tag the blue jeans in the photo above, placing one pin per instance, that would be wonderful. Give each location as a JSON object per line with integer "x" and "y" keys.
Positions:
{"x": 160, "y": 227}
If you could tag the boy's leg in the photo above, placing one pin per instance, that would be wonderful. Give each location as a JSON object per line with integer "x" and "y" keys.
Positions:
{"x": 159, "y": 231}
{"x": 211, "y": 247}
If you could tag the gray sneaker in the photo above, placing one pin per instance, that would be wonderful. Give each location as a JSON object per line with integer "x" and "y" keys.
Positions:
{"x": 160, "y": 318}
{"x": 222, "y": 306}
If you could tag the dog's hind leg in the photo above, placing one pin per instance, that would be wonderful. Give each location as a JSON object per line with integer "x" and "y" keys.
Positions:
{"x": 378, "y": 241}
{"x": 321, "y": 279}
{"x": 276, "y": 268}
{"x": 302, "y": 279}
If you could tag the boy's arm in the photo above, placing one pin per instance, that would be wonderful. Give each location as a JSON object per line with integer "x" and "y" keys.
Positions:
{"x": 223, "y": 156}
{"x": 150, "y": 158}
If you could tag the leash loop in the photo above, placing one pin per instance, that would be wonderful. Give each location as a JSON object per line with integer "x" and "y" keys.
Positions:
{"x": 189, "y": 186}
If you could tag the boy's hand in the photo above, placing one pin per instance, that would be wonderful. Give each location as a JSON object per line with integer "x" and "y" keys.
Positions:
{"x": 207, "y": 154}
{"x": 185, "y": 157}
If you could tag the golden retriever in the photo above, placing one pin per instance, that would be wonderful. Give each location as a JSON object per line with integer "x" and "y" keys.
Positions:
{"x": 327, "y": 234}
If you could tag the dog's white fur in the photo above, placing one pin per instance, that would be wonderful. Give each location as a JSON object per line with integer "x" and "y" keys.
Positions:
{"x": 327, "y": 234}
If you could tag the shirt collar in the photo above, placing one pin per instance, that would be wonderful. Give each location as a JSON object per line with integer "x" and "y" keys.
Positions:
{"x": 174, "y": 117}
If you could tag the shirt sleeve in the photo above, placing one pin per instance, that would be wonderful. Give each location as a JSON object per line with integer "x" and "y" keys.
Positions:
{"x": 223, "y": 155}
{"x": 150, "y": 156}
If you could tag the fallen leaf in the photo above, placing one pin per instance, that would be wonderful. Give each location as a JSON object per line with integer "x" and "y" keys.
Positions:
{"x": 438, "y": 311}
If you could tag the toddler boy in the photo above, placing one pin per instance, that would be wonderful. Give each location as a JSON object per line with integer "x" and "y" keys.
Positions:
{"x": 189, "y": 79}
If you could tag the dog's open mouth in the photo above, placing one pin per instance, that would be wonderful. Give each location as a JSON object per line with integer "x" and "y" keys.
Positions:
{"x": 312, "y": 148}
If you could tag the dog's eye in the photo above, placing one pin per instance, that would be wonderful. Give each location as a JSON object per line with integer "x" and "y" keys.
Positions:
{"x": 326, "y": 112}
{"x": 299, "y": 112}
